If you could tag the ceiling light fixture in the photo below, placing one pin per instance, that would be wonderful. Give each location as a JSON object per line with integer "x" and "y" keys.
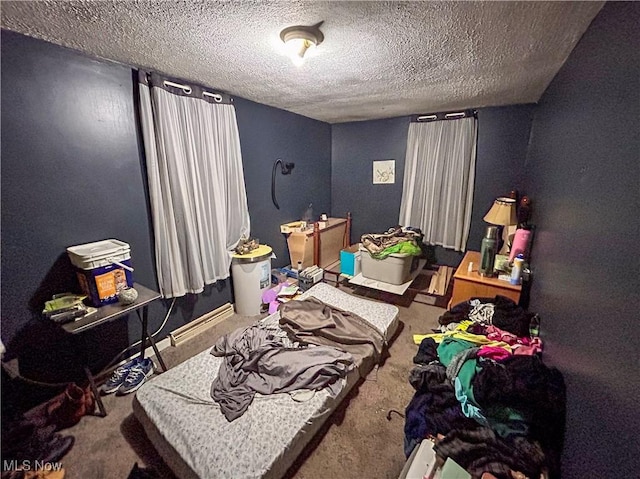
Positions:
{"x": 299, "y": 39}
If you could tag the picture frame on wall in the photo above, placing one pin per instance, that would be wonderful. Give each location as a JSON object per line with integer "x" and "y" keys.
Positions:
{"x": 384, "y": 172}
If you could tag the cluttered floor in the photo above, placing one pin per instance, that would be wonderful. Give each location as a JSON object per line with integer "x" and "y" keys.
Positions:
{"x": 359, "y": 440}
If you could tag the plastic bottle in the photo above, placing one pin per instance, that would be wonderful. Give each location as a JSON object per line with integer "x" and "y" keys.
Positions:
{"x": 520, "y": 244}
{"x": 308, "y": 214}
{"x": 516, "y": 271}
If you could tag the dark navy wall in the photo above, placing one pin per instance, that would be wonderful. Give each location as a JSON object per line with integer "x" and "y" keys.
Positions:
{"x": 73, "y": 172}
{"x": 354, "y": 146}
{"x": 267, "y": 134}
{"x": 582, "y": 172}
{"x": 503, "y": 138}
{"x": 503, "y": 135}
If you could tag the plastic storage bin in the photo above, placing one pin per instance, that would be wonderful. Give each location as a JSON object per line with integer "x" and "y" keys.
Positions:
{"x": 103, "y": 269}
{"x": 394, "y": 269}
{"x": 251, "y": 274}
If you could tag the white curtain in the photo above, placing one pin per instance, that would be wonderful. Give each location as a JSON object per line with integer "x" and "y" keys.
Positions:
{"x": 196, "y": 183}
{"x": 439, "y": 172}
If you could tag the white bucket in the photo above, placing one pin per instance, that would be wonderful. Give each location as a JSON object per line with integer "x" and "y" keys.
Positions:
{"x": 103, "y": 269}
{"x": 251, "y": 274}
{"x": 99, "y": 254}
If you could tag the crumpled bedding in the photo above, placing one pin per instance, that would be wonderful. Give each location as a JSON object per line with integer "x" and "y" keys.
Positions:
{"x": 314, "y": 322}
{"x": 257, "y": 361}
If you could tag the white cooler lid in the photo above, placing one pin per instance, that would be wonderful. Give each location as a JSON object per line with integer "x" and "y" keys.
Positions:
{"x": 82, "y": 253}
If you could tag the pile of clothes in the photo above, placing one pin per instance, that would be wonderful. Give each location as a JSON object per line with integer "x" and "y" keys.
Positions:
{"x": 402, "y": 240}
{"x": 484, "y": 394}
{"x": 33, "y": 439}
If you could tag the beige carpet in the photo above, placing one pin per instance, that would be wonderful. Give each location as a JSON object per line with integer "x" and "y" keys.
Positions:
{"x": 358, "y": 442}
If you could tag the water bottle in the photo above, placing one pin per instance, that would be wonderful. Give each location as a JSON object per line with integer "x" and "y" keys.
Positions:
{"x": 516, "y": 271}
{"x": 488, "y": 251}
{"x": 308, "y": 214}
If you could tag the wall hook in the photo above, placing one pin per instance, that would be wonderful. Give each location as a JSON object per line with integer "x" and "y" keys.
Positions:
{"x": 285, "y": 168}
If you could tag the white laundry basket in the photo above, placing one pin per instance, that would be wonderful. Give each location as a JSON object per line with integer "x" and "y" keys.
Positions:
{"x": 251, "y": 275}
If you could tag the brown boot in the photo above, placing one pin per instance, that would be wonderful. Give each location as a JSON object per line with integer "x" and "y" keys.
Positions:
{"x": 72, "y": 408}
{"x": 89, "y": 400}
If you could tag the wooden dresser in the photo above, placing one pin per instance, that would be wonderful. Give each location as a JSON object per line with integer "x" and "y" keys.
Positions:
{"x": 469, "y": 284}
{"x": 319, "y": 245}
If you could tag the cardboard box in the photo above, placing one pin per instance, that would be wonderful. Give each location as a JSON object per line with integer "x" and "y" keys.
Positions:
{"x": 350, "y": 260}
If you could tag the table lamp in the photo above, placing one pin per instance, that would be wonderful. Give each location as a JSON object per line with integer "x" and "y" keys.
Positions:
{"x": 503, "y": 213}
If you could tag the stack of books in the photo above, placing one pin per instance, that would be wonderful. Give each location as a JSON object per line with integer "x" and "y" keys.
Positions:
{"x": 66, "y": 307}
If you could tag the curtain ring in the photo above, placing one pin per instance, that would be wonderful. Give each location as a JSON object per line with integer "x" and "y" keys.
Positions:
{"x": 184, "y": 88}
{"x": 217, "y": 98}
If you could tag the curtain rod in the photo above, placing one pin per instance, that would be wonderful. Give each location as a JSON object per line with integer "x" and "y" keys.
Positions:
{"x": 447, "y": 116}
{"x": 444, "y": 116}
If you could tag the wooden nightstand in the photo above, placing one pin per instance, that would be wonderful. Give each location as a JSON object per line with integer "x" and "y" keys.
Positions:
{"x": 470, "y": 284}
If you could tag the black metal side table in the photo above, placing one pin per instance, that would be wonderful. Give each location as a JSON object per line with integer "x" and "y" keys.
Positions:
{"x": 114, "y": 311}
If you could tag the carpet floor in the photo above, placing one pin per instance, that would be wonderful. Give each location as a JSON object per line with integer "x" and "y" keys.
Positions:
{"x": 358, "y": 441}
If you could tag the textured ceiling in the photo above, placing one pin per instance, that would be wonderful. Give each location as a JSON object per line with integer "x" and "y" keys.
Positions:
{"x": 378, "y": 59}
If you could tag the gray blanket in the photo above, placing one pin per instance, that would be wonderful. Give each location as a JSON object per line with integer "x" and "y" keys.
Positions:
{"x": 312, "y": 321}
{"x": 257, "y": 361}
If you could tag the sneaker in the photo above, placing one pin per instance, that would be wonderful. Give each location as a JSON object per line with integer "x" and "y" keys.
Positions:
{"x": 119, "y": 375}
{"x": 137, "y": 376}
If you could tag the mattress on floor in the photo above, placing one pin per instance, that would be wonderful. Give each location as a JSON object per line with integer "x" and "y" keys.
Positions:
{"x": 189, "y": 431}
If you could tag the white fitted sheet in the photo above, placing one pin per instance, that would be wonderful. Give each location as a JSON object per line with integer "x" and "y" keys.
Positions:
{"x": 196, "y": 441}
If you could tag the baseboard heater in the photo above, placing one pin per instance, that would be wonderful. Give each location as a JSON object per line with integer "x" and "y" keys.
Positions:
{"x": 201, "y": 324}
